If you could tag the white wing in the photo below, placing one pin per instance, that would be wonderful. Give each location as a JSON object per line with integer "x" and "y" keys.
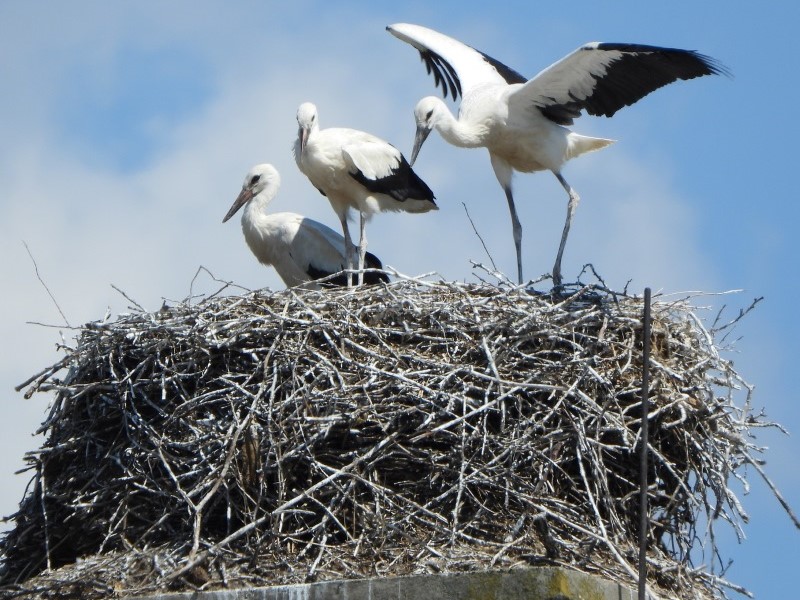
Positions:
{"x": 373, "y": 157}
{"x": 458, "y": 68}
{"x": 601, "y": 78}
{"x": 382, "y": 169}
{"x": 310, "y": 249}
{"x": 316, "y": 250}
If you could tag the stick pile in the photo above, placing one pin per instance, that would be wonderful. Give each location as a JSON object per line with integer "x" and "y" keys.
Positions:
{"x": 410, "y": 428}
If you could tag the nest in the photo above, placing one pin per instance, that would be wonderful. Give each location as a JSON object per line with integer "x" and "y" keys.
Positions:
{"x": 415, "y": 427}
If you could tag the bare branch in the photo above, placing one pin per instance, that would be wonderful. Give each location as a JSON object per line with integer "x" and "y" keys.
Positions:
{"x": 44, "y": 285}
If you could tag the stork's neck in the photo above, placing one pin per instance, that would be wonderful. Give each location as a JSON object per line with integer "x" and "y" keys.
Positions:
{"x": 459, "y": 133}
{"x": 257, "y": 207}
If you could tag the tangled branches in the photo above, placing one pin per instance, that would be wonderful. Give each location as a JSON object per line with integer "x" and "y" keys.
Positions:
{"x": 416, "y": 427}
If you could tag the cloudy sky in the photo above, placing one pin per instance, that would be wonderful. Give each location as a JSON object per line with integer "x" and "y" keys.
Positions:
{"x": 126, "y": 130}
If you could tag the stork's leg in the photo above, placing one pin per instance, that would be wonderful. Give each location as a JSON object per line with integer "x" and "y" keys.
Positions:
{"x": 505, "y": 174}
{"x": 517, "y": 227}
{"x": 348, "y": 249}
{"x": 362, "y": 249}
{"x": 571, "y": 206}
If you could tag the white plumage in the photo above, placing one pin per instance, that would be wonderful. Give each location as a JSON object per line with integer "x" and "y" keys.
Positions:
{"x": 521, "y": 122}
{"x": 299, "y": 248}
{"x": 357, "y": 171}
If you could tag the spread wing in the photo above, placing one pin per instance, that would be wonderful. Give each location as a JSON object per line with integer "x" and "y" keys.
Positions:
{"x": 601, "y": 78}
{"x": 456, "y": 67}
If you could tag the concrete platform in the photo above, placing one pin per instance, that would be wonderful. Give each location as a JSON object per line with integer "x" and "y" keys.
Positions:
{"x": 535, "y": 583}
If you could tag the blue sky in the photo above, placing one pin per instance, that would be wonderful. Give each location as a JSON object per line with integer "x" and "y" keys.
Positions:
{"x": 127, "y": 129}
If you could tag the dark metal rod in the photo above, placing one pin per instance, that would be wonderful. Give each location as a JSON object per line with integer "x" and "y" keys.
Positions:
{"x": 643, "y": 443}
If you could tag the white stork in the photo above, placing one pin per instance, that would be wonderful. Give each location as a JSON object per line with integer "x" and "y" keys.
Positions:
{"x": 520, "y": 121}
{"x": 300, "y": 249}
{"x": 358, "y": 171}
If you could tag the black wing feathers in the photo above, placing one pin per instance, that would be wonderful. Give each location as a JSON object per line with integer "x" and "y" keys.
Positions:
{"x": 639, "y": 70}
{"x": 562, "y": 114}
{"x": 401, "y": 184}
{"x": 445, "y": 75}
{"x": 506, "y": 72}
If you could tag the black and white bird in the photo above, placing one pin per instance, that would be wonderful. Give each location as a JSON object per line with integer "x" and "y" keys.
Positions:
{"x": 522, "y": 122}
{"x": 299, "y": 248}
{"x": 359, "y": 172}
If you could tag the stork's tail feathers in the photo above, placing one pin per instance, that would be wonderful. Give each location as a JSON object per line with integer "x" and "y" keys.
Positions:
{"x": 370, "y": 277}
{"x": 581, "y": 144}
{"x": 373, "y": 262}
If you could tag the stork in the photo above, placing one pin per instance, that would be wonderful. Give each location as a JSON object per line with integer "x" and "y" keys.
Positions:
{"x": 523, "y": 122}
{"x": 299, "y": 248}
{"x": 357, "y": 171}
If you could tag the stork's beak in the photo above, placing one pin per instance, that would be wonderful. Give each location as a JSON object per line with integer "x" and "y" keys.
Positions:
{"x": 243, "y": 198}
{"x": 419, "y": 139}
{"x": 303, "y": 135}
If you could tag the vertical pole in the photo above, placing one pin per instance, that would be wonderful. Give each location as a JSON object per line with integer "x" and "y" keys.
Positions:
{"x": 643, "y": 443}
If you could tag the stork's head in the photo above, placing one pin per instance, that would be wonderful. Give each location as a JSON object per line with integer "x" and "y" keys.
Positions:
{"x": 307, "y": 121}
{"x": 260, "y": 178}
{"x": 425, "y": 114}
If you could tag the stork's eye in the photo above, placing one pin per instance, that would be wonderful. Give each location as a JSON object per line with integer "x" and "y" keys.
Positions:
{"x": 429, "y": 115}
{"x": 255, "y": 179}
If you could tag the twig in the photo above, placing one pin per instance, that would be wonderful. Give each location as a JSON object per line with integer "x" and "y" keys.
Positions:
{"x": 475, "y": 229}
{"x": 138, "y": 306}
{"x": 49, "y": 293}
{"x": 775, "y": 492}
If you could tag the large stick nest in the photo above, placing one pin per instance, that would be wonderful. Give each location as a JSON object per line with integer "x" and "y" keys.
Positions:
{"x": 409, "y": 428}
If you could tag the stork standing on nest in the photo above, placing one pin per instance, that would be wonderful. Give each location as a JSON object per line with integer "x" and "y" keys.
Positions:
{"x": 299, "y": 248}
{"x": 522, "y": 122}
{"x": 357, "y": 171}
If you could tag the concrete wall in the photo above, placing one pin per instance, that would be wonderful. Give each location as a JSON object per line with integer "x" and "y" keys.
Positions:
{"x": 536, "y": 583}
